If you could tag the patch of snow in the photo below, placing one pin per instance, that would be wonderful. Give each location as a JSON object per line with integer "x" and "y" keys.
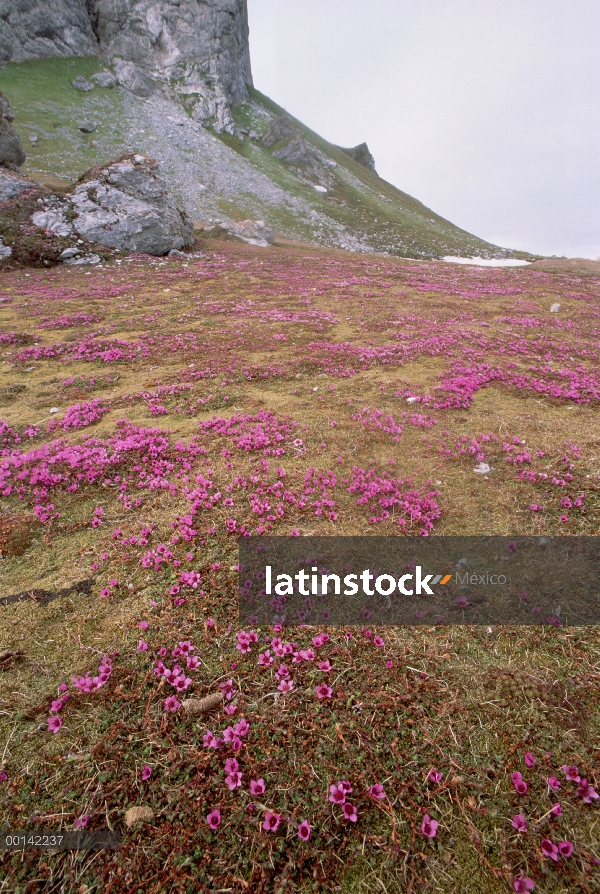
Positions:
{"x": 320, "y": 188}
{"x": 487, "y": 262}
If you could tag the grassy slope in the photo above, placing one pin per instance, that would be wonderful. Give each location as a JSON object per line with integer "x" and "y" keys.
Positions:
{"x": 461, "y": 699}
{"x": 395, "y": 221}
{"x": 366, "y": 206}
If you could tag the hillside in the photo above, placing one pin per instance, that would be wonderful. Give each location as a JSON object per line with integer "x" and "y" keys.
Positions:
{"x": 305, "y": 188}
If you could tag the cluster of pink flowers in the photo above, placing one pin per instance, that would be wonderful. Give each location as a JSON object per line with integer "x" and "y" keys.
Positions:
{"x": 261, "y": 431}
{"x": 388, "y": 498}
{"x": 70, "y": 321}
{"x": 85, "y": 683}
{"x": 89, "y": 684}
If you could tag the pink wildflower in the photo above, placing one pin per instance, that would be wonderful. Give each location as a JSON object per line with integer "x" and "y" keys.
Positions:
{"x": 304, "y": 831}
{"x": 429, "y": 826}
{"x": 522, "y": 884}
{"x": 518, "y": 823}
{"x": 54, "y": 723}
{"x": 377, "y": 791}
{"x": 337, "y": 794}
{"x": 171, "y": 704}
{"x": 272, "y": 821}
{"x": 519, "y": 783}
{"x": 214, "y": 819}
{"x": 549, "y": 849}
{"x": 587, "y": 792}
{"x": 349, "y": 811}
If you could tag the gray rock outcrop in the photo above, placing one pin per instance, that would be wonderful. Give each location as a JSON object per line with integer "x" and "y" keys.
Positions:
{"x": 105, "y": 79}
{"x": 295, "y": 152}
{"x": 82, "y": 84}
{"x": 282, "y": 126}
{"x": 362, "y": 155}
{"x": 37, "y": 29}
{"x": 191, "y": 40}
{"x": 133, "y": 78}
{"x": 254, "y": 232}
{"x": 12, "y": 154}
{"x": 12, "y": 184}
{"x": 124, "y": 205}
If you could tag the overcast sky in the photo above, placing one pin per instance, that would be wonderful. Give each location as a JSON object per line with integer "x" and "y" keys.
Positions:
{"x": 488, "y": 111}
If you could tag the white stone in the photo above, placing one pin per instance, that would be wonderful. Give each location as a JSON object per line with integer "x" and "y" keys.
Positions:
{"x": 482, "y": 469}
{"x": 53, "y": 220}
{"x": 555, "y": 308}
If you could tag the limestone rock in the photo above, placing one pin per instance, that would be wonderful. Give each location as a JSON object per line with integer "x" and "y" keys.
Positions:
{"x": 156, "y": 35}
{"x": 37, "y": 29}
{"x": 106, "y": 79}
{"x": 86, "y": 259}
{"x": 87, "y": 127}
{"x": 254, "y": 232}
{"x": 12, "y": 184}
{"x": 126, "y": 205}
{"x": 138, "y": 815}
{"x": 12, "y": 154}
{"x": 68, "y": 253}
{"x": 161, "y": 35}
{"x": 5, "y": 251}
{"x": 5, "y": 109}
{"x": 54, "y": 220}
{"x": 283, "y": 126}
{"x": 362, "y": 155}
{"x": 296, "y": 151}
{"x": 133, "y": 78}
{"x": 82, "y": 84}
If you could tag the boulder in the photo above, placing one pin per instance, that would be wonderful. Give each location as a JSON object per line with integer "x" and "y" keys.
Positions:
{"x": 5, "y": 109}
{"x": 5, "y": 251}
{"x": 124, "y": 205}
{"x": 82, "y": 84}
{"x": 12, "y": 184}
{"x": 254, "y": 232}
{"x": 296, "y": 151}
{"x": 54, "y": 220}
{"x": 106, "y": 79}
{"x": 12, "y": 154}
{"x": 133, "y": 78}
{"x": 282, "y": 126}
{"x": 362, "y": 155}
{"x": 87, "y": 127}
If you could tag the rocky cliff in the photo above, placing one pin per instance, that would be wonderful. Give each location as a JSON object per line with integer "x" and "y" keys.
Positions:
{"x": 193, "y": 42}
